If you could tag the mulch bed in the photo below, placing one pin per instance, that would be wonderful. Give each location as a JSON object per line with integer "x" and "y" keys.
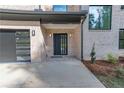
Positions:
{"x": 102, "y": 67}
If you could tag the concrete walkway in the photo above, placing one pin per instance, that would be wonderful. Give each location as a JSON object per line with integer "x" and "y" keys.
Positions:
{"x": 56, "y": 72}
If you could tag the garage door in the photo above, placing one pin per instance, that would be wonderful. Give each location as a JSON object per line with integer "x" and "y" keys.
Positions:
{"x": 14, "y": 45}
{"x": 7, "y": 46}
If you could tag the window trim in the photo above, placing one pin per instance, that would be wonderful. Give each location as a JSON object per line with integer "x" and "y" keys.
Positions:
{"x": 60, "y": 11}
{"x": 90, "y": 29}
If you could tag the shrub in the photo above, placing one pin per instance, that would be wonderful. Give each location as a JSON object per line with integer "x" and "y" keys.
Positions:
{"x": 93, "y": 54}
{"x": 112, "y": 59}
{"x": 120, "y": 72}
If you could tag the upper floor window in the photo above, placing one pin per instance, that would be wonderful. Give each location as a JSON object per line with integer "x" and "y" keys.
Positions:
{"x": 122, "y": 6}
{"x": 60, "y": 8}
{"x": 100, "y": 17}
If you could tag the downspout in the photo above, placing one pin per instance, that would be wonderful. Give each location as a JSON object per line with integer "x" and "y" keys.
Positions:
{"x": 81, "y": 24}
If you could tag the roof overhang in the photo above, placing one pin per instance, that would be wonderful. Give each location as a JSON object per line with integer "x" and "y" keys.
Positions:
{"x": 61, "y": 26}
{"x": 43, "y": 16}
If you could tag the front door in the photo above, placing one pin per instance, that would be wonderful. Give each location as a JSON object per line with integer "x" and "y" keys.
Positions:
{"x": 60, "y": 44}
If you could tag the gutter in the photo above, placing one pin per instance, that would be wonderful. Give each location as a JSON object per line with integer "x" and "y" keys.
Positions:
{"x": 9, "y": 11}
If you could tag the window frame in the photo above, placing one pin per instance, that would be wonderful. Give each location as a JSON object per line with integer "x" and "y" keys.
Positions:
{"x": 120, "y": 30}
{"x": 60, "y": 11}
{"x": 122, "y": 7}
{"x": 91, "y": 29}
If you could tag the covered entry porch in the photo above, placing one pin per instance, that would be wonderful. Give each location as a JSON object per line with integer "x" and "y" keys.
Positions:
{"x": 62, "y": 40}
{"x": 43, "y": 27}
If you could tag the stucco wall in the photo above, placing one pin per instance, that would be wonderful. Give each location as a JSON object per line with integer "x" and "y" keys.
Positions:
{"x": 77, "y": 42}
{"x": 106, "y": 40}
{"x": 37, "y": 42}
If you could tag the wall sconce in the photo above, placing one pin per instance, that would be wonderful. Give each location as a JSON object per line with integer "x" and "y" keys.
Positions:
{"x": 33, "y": 32}
{"x": 50, "y": 35}
{"x": 70, "y": 35}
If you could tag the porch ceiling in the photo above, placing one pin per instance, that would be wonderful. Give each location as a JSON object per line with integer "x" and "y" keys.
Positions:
{"x": 44, "y": 17}
{"x": 60, "y": 26}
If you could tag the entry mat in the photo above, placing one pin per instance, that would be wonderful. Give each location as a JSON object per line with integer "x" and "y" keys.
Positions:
{"x": 56, "y": 56}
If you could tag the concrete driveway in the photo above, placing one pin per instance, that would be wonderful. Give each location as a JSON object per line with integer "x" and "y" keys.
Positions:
{"x": 55, "y": 72}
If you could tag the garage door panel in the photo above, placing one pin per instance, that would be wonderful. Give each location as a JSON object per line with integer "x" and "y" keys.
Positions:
{"x": 23, "y": 46}
{"x": 7, "y": 46}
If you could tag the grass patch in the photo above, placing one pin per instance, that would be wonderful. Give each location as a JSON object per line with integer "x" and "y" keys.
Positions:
{"x": 111, "y": 82}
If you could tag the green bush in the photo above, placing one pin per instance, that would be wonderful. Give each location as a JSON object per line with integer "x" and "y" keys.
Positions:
{"x": 120, "y": 72}
{"x": 112, "y": 59}
{"x": 93, "y": 54}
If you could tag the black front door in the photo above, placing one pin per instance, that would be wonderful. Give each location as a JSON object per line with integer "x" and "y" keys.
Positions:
{"x": 60, "y": 44}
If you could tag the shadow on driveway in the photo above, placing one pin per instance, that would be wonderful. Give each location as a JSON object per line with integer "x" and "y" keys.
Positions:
{"x": 53, "y": 73}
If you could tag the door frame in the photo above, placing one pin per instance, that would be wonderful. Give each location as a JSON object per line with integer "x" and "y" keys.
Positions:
{"x": 66, "y": 41}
